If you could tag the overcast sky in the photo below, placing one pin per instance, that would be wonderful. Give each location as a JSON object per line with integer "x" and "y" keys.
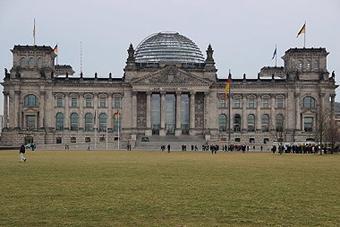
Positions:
{"x": 242, "y": 33}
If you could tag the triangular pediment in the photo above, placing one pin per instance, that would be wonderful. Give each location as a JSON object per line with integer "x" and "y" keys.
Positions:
{"x": 171, "y": 75}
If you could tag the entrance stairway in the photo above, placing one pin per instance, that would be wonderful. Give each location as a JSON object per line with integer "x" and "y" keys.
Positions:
{"x": 176, "y": 142}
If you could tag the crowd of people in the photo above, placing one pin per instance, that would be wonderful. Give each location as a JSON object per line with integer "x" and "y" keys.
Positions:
{"x": 303, "y": 149}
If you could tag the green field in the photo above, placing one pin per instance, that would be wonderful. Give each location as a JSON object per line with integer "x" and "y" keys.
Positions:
{"x": 160, "y": 189}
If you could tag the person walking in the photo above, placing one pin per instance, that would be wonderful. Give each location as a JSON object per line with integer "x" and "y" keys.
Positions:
{"x": 168, "y": 148}
{"x": 22, "y": 151}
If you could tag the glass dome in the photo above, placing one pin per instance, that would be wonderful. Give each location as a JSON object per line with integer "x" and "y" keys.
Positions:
{"x": 168, "y": 47}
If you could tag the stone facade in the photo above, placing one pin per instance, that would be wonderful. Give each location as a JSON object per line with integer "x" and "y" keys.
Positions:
{"x": 282, "y": 103}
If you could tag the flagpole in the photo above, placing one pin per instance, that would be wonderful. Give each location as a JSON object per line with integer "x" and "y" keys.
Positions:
{"x": 229, "y": 109}
{"x": 304, "y": 36}
{"x": 276, "y": 55}
{"x": 34, "y": 31}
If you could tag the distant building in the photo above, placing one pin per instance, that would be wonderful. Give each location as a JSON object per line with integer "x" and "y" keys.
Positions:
{"x": 168, "y": 89}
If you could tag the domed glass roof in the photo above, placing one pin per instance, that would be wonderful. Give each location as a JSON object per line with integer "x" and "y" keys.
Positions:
{"x": 168, "y": 47}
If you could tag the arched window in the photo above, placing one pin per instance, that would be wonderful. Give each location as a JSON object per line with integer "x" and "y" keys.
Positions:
{"x": 117, "y": 102}
{"x": 74, "y": 121}
{"x": 102, "y": 102}
{"x": 251, "y": 122}
{"x": 59, "y": 122}
{"x": 30, "y": 101}
{"x": 265, "y": 122}
{"x": 237, "y": 123}
{"x": 31, "y": 62}
{"x": 23, "y": 62}
{"x": 117, "y": 121}
{"x": 88, "y": 122}
{"x": 279, "y": 122}
{"x": 102, "y": 122}
{"x": 222, "y": 122}
{"x": 309, "y": 102}
{"x": 236, "y": 102}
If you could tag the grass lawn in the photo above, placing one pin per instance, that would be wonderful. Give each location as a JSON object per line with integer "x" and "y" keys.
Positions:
{"x": 178, "y": 189}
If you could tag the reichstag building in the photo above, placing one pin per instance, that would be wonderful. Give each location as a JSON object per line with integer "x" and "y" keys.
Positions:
{"x": 168, "y": 89}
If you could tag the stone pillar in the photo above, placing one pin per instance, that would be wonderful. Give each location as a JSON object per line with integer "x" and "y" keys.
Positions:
{"x": 258, "y": 114}
{"x": 12, "y": 110}
{"x": 297, "y": 112}
{"x": 18, "y": 110}
{"x": 272, "y": 113}
{"x": 81, "y": 111}
{"x": 162, "y": 131}
{"x": 244, "y": 114}
{"x": 148, "y": 131}
{"x": 178, "y": 130}
{"x": 110, "y": 114}
{"x": 134, "y": 110}
{"x": 332, "y": 106}
{"x": 192, "y": 113}
{"x": 42, "y": 110}
{"x": 67, "y": 112}
{"x": 5, "y": 108}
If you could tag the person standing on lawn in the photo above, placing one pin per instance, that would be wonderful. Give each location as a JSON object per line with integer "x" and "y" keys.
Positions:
{"x": 22, "y": 151}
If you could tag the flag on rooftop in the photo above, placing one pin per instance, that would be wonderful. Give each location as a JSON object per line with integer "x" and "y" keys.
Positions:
{"x": 302, "y": 30}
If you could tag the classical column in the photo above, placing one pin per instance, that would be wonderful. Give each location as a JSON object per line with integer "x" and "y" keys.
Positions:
{"x": 162, "y": 131}
{"x": 258, "y": 113}
{"x": 148, "y": 131}
{"x": 81, "y": 111}
{"x": 42, "y": 110}
{"x": 178, "y": 130}
{"x": 67, "y": 112}
{"x": 134, "y": 110}
{"x": 110, "y": 114}
{"x": 244, "y": 114}
{"x": 12, "y": 109}
{"x": 272, "y": 113}
{"x": 192, "y": 113}
{"x": 17, "y": 109}
{"x": 332, "y": 106}
{"x": 297, "y": 112}
{"x": 5, "y": 108}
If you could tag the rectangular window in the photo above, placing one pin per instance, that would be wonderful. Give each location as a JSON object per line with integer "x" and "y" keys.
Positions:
{"x": 74, "y": 102}
{"x": 308, "y": 124}
{"x": 73, "y": 140}
{"x": 30, "y": 121}
{"x": 102, "y": 102}
{"x": 87, "y": 139}
{"x": 88, "y": 102}
{"x": 280, "y": 102}
{"x": 251, "y": 103}
{"x": 117, "y": 102}
{"x": 236, "y": 102}
{"x": 60, "y": 101}
{"x": 265, "y": 102}
{"x": 221, "y": 103}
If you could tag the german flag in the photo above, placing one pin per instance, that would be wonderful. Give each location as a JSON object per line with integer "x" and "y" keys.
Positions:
{"x": 227, "y": 87}
{"x": 55, "y": 49}
{"x": 302, "y": 30}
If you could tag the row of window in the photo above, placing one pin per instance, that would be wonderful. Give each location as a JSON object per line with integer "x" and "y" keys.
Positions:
{"x": 308, "y": 123}
{"x": 31, "y": 101}
{"x": 252, "y": 102}
{"x": 265, "y": 122}
{"x": 308, "y": 102}
{"x": 88, "y": 102}
{"x": 89, "y": 120}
